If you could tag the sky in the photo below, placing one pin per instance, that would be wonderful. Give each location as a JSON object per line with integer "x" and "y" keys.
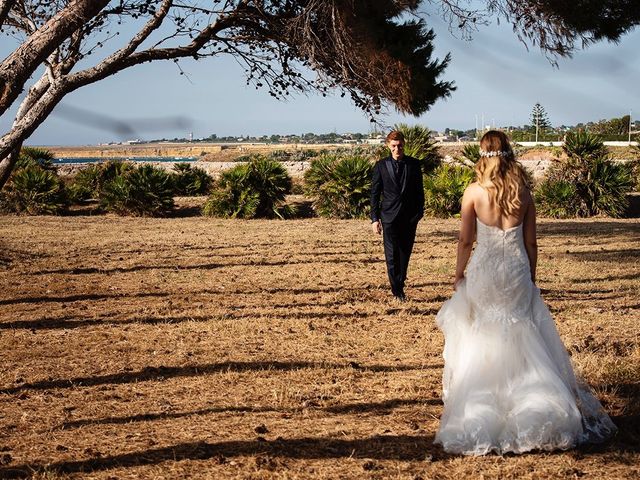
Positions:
{"x": 498, "y": 80}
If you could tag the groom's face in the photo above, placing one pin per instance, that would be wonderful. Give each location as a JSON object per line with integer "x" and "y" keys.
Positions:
{"x": 397, "y": 148}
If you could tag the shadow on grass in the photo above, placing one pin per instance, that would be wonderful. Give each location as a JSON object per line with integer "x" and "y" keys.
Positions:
{"x": 162, "y": 372}
{"x": 587, "y": 295}
{"x": 79, "y": 298}
{"x": 587, "y": 228}
{"x": 380, "y": 408}
{"x": 380, "y": 447}
{"x": 71, "y": 323}
{"x": 208, "y": 266}
{"x": 608, "y": 278}
{"x": 621, "y": 255}
{"x": 628, "y": 437}
{"x": 628, "y": 421}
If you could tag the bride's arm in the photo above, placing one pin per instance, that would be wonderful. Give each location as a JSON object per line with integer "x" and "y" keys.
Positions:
{"x": 467, "y": 234}
{"x": 530, "y": 240}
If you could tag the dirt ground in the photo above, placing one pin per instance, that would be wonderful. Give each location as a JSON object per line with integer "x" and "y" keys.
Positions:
{"x": 192, "y": 347}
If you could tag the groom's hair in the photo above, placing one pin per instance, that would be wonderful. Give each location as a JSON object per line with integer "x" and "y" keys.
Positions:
{"x": 395, "y": 135}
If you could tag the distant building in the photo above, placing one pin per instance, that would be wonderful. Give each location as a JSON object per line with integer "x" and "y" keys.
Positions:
{"x": 443, "y": 138}
{"x": 377, "y": 140}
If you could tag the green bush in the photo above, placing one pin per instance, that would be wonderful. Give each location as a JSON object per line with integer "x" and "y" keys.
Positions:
{"x": 89, "y": 181}
{"x": 557, "y": 199}
{"x": 255, "y": 189}
{"x": 601, "y": 185}
{"x": 635, "y": 167}
{"x": 606, "y": 187}
{"x": 190, "y": 181}
{"x": 443, "y": 189}
{"x": 341, "y": 187}
{"x": 319, "y": 173}
{"x": 30, "y": 156}
{"x": 420, "y": 145}
{"x": 34, "y": 190}
{"x": 141, "y": 191}
{"x": 471, "y": 153}
{"x": 582, "y": 145}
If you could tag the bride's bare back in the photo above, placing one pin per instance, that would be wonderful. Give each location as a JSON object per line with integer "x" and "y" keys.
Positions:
{"x": 476, "y": 204}
{"x": 490, "y": 213}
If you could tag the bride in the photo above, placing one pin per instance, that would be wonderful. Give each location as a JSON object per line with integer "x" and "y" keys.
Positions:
{"x": 508, "y": 383}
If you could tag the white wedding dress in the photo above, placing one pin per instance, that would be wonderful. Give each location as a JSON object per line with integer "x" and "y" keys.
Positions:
{"x": 508, "y": 383}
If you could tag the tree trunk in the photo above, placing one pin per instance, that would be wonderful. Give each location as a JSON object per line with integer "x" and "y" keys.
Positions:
{"x": 16, "y": 69}
{"x": 6, "y": 166}
{"x": 35, "y": 94}
{"x": 24, "y": 126}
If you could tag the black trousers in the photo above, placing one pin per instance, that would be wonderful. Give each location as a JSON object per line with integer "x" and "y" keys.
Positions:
{"x": 398, "y": 237}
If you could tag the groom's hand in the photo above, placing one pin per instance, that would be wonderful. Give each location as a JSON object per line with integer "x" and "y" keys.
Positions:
{"x": 377, "y": 227}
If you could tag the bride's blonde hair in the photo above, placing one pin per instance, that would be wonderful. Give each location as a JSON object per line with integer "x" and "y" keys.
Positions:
{"x": 498, "y": 172}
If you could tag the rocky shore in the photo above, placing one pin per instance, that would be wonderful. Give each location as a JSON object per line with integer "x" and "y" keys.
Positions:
{"x": 295, "y": 169}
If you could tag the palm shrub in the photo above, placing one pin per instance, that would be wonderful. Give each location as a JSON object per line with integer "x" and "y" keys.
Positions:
{"x": 470, "y": 154}
{"x": 557, "y": 198}
{"x": 255, "y": 189}
{"x": 420, "y": 145}
{"x": 34, "y": 190}
{"x": 341, "y": 186}
{"x": 318, "y": 173}
{"x": 35, "y": 156}
{"x": 583, "y": 145}
{"x": 635, "y": 167}
{"x": 190, "y": 181}
{"x": 141, "y": 191}
{"x": 443, "y": 189}
{"x": 601, "y": 185}
{"x": 89, "y": 181}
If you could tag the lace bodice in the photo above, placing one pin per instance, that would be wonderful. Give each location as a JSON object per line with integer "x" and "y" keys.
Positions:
{"x": 499, "y": 276}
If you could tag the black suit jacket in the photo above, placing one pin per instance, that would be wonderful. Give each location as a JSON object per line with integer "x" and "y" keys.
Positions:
{"x": 390, "y": 198}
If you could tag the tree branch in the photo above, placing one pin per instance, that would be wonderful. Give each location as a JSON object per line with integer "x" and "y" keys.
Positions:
{"x": 117, "y": 63}
{"x": 143, "y": 34}
{"x": 5, "y": 8}
{"x": 16, "y": 69}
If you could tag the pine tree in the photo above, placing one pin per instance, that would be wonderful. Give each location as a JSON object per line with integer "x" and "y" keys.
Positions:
{"x": 539, "y": 119}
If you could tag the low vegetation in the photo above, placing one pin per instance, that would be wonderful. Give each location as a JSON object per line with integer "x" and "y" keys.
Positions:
{"x": 443, "y": 190}
{"x": 340, "y": 186}
{"x": 256, "y": 189}
{"x": 34, "y": 187}
{"x": 141, "y": 191}
{"x": 89, "y": 182}
{"x": 586, "y": 182}
{"x": 188, "y": 180}
{"x": 33, "y": 190}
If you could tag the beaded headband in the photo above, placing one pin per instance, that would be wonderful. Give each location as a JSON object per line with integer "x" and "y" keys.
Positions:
{"x": 505, "y": 153}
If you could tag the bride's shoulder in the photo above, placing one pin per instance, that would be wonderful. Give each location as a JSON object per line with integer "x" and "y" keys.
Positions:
{"x": 473, "y": 189}
{"x": 472, "y": 194}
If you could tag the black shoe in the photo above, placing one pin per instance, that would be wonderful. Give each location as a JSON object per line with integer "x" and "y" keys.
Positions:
{"x": 401, "y": 297}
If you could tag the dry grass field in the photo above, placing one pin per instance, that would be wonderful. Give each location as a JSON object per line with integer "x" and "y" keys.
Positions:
{"x": 198, "y": 348}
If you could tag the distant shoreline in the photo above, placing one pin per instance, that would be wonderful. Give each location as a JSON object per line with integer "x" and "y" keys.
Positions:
{"x": 206, "y": 151}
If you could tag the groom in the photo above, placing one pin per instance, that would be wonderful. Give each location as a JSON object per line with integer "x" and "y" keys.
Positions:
{"x": 397, "y": 204}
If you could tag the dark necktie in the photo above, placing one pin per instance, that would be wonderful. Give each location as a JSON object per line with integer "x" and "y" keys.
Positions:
{"x": 398, "y": 167}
